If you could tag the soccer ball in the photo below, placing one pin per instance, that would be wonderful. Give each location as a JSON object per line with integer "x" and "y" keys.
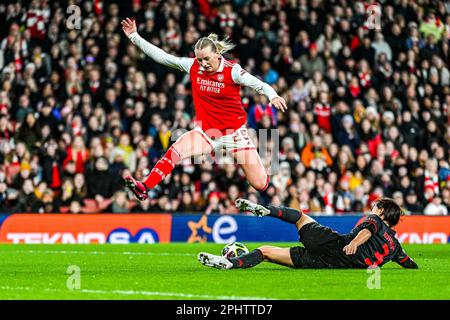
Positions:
{"x": 234, "y": 249}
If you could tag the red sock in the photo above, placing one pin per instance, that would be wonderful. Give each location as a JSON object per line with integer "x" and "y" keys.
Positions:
{"x": 162, "y": 168}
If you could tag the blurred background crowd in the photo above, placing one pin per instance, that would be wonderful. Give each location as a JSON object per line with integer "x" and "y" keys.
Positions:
{"x": 368, "y": 98}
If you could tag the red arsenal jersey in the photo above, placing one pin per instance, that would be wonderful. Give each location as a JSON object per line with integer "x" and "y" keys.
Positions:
{"x": 217, "y": 100}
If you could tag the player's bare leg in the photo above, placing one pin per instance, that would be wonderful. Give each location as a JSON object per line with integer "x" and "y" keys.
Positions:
{"x": 277, "y": 255}
{"x": 190, "y": 144}
{"x": 253, "y": 167}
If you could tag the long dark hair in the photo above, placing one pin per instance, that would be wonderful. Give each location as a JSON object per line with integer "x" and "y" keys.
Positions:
{"x": 391, "y": 211}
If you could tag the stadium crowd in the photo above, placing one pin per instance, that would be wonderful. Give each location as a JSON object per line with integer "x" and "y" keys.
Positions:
{"x": 368, "y": 97}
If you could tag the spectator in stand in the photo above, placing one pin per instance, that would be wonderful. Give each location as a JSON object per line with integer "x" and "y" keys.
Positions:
{"x": 412, "y": 205}
{"x": 99, "y": 183}
{"x": 398, "y": 198}
{"x": 446, "y": 198}
{"x": 29, "y": 131}
{"x": 80, "y": 189}
{"x": 259, "y": 110}
{"x": 186, "y": 203}
{"x": 348, "y": 136}
{"x": 269, "y": 75}
{"x": 436, "y": 208}
{"x": 316, "y": 156}
{"x": 78, "y": 153}
{"x": 282, "y": 180}
{"x": 214, "y": 204}
{"x": 75, "y": 207}
{"x": 312, "y": 61}
{"x": 231, "y": 197}
{"x": 120, "y": 203}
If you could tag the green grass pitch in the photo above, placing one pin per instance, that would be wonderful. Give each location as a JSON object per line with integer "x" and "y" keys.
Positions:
{"x": 171, "y": 271}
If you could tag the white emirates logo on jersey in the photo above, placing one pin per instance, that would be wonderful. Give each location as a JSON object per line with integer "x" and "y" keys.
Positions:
{"x": 210, "y": 85}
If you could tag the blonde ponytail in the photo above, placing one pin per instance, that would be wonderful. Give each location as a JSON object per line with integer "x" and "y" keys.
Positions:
{"x": 213, "y": 37}
{"x": 212, "y": 40}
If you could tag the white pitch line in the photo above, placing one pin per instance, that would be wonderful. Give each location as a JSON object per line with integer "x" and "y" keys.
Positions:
{"x": 104, "y": 252}
{"x": 141, "y": 293}
{"x": 129, "y": 292}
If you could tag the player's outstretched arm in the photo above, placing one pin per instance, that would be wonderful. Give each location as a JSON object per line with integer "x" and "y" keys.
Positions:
{"x": 360, "y": 238}
{"x": 157, "y": 54}
{"x": 405, "y": 261}
{"x": 242, "y": 77}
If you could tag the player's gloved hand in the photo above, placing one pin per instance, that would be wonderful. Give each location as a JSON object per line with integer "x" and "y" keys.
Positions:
{"x": 279, "y": 103}
{"x": 350, "y": 248}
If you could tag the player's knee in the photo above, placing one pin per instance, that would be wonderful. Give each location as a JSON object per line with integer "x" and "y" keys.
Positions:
{"x": 304, "y": 219}
{"x": 261, "y": 183}
{"x": 299, "y": 224}
{"x": 260, "y": 186}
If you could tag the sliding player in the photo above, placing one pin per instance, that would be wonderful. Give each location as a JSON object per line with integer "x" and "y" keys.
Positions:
{"x": 370, "y": 244}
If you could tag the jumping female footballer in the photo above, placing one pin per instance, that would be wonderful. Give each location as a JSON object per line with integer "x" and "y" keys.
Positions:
{"x": 220, "y": 117}
{"x": 370, "y": 244}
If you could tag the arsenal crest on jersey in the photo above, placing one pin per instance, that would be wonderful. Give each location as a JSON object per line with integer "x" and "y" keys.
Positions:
{"x": 220, "y": 77}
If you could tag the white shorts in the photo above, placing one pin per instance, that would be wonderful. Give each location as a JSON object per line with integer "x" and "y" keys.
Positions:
{"x": 238, "y": 140}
